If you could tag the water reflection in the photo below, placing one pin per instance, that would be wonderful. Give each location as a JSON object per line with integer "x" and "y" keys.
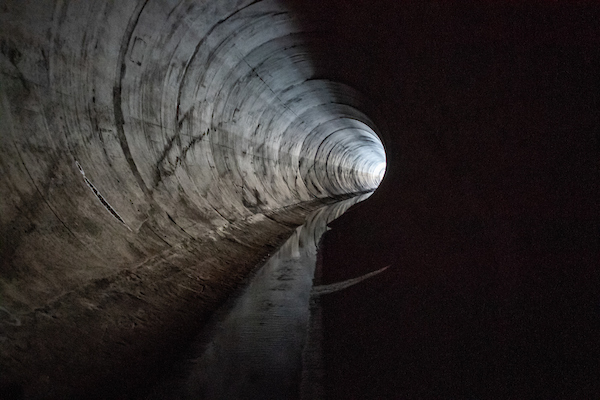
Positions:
{"x": 252, "y": 349}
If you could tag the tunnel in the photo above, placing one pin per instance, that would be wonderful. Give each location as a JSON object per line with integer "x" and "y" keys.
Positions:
{"x": 155, "y": 152}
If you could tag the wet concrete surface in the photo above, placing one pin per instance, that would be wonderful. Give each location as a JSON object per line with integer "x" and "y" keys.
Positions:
{"x": 253, "y": 346}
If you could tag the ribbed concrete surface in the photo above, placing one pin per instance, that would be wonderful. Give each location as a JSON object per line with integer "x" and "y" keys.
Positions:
{"x": 184, "y": 116}
{"x": 132, "y": 128}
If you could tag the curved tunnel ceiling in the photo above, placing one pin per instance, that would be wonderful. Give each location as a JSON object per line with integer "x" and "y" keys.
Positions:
{"x": 202, "y": 113}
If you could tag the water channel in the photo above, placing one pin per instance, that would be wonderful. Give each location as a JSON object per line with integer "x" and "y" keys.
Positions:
{"x": 264, "y": 342}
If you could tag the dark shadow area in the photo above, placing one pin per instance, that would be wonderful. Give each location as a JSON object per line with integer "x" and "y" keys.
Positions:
{"x": 12, "y": 391}
{"x": 488, "y": 212}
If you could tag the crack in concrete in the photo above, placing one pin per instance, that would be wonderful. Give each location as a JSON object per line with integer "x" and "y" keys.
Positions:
{"x": 101, "y": 198}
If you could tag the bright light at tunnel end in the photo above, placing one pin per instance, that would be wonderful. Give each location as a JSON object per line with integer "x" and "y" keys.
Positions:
{"x": 379, "y": 171}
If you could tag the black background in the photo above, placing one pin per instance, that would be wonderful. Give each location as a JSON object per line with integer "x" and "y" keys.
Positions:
{"x": 488, "y": 214}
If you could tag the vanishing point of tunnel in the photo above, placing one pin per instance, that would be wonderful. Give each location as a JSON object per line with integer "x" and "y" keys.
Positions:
{"x": 155, "y": 153}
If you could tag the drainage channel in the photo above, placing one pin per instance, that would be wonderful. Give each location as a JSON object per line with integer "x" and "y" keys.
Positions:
{"x": 253, "y": 346}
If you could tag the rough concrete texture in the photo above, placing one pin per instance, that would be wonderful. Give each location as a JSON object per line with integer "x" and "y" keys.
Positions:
{"x": 150, "y": 152}
{"x": 130, "y": 128}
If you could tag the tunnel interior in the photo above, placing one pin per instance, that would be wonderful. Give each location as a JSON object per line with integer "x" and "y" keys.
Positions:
{"x": 139, "y": 141}
{"x": 180, "y": 116}
{"x": 154, "y": 152}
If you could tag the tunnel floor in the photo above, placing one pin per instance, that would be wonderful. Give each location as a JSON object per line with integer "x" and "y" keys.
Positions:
{"x": 257, "y": 345}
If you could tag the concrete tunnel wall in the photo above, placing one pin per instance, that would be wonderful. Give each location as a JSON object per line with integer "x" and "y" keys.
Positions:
{"x": 184, "y": 116}
{"x": 487, "y": 214}
{"x": 156, "y": 134}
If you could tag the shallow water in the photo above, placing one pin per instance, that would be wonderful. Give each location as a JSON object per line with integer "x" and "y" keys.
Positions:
{"x": 252, "y": 347}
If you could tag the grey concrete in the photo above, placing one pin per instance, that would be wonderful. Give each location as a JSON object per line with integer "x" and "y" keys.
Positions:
{"x": 136, "y": 133}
